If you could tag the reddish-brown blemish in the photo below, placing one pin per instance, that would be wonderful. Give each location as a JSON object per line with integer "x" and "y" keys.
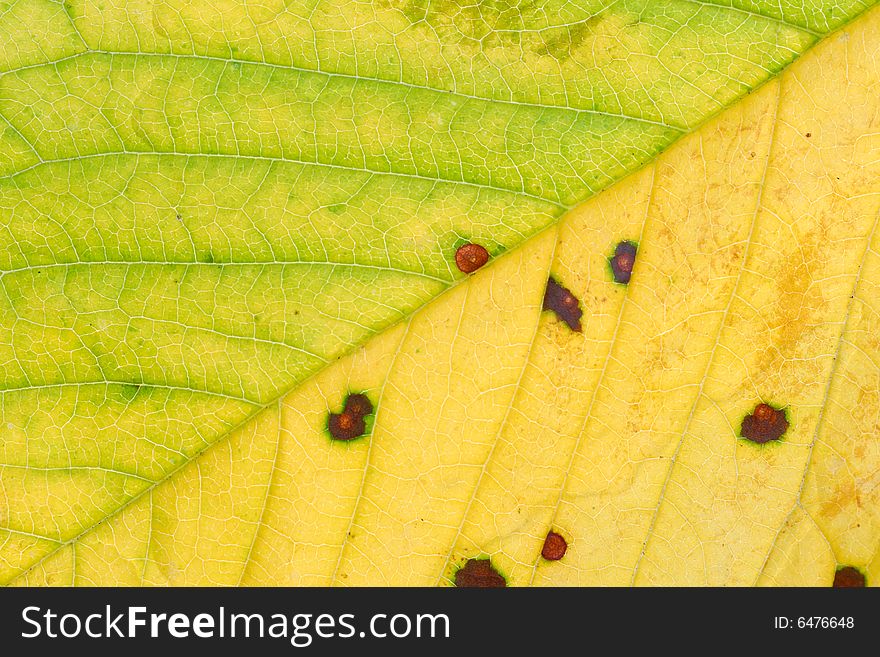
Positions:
{"x": 479, "y": 573}
{"x": 470, "y": 257}
{"x": 562, "y": 302}
{"x": 554, "y": 547}
{"x": 848, "y": 577}
{"x": 764, "y": 424}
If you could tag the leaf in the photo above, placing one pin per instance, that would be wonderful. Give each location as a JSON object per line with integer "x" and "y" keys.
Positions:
{"x": 200, "y": 225}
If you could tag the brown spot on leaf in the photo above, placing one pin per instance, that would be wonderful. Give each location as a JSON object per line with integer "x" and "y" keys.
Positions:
{"x": 470, "y": 257}
{"x": 623, "y": 261}
{"x": 350, "y": 423}
{"x": 562, "y": 302}
{"x": 848, "y": 577}
{"x": 479, "y": 573}
{"x": 764, "y": 424}
{"x": 358, "y": 404}
{"x": 345, "y": 426}
{"x": 554, "y": 547}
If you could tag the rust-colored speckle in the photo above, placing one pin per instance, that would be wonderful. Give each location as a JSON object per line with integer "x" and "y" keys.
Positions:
{"x": 764, "y": 412}
{"x": 848, "y": 577}
{"x": 554, "y": 547}
{"x": 479, "y": 573}
{"x": 764, "y": 424}
{"x": 470, "y": 257}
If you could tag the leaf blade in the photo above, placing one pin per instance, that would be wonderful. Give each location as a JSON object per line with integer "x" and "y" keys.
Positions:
{"x": 43, "y": 342}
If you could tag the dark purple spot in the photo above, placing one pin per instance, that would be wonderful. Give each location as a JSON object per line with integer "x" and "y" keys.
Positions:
{"x": 470, "y": 257}
{"x": 764, "y": 424}
{"x": 479, "y": 573}
{"x": 623, "y": 261}
{"x": 848, "y": 577}
{"x": 554, "y": 547}
{"x": 562, "y": 302}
